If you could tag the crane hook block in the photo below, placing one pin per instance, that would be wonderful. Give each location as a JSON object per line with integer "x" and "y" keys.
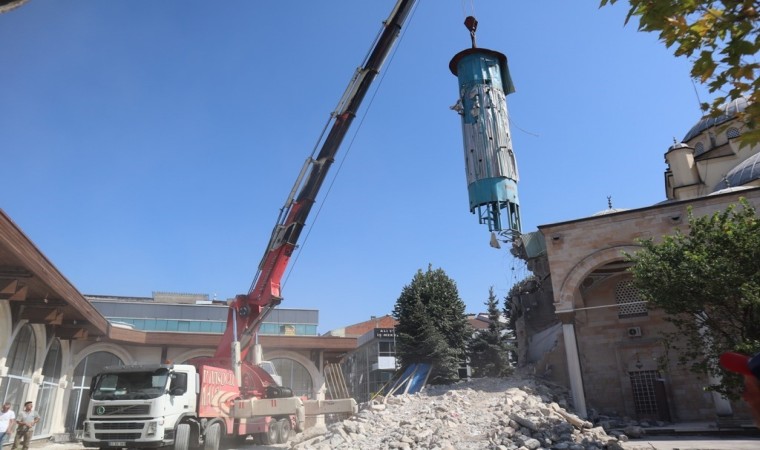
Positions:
{"x": 472, "y": 24}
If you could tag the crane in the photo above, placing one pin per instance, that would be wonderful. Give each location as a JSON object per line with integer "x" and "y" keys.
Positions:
{"x": 247, "y": 311}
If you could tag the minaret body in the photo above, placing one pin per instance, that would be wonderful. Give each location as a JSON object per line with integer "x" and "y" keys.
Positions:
{"x": 490, "y": 163}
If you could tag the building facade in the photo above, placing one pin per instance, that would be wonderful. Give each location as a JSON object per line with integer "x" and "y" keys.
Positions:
{"x": 53, "y": 339}
{"x": 582, "y": 323}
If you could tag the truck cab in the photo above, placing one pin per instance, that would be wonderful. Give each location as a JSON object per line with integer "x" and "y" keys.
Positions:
{"x": 139, "y": 406}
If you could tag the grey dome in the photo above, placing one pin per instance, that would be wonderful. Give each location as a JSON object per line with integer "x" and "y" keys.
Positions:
{"x": 610, "y": 210}
{"x": 745, "y": 172}
{"x": 731, "y": 109}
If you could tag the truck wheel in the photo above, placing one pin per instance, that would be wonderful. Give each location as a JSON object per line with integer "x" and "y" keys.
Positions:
{"x": 211, "y": 442}
{"x": 284, "y": 428}
{"x": 182, "y": 437}
{"x": 272, "y": 435}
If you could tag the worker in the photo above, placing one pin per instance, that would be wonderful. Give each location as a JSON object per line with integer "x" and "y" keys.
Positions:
{"x": 749, "y": 368}
{"x": 25, "y": 421}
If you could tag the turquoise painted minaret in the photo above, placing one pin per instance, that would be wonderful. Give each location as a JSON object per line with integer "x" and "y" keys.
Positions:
{"x": 490, "y": 163}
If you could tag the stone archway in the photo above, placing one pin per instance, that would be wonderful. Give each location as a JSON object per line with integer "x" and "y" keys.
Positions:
{"x": 567, "y": 297}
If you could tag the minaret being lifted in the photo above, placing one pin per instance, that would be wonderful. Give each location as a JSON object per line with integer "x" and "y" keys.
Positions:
{"x": 490, "y": 163}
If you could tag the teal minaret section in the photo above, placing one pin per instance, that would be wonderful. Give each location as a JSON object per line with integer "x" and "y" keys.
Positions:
{"x": 490, "y": 163}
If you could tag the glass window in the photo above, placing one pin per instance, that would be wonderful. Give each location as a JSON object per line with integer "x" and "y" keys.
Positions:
{"x": 387, "y": 348}
{"x": 644, "y": 395}
{"x": 269, "y": 328}
{"x": 20, "y": 362}
{"x": 83, "y": 373}
{"x": 51, "y": 373}
{"x": 295, "y": 376}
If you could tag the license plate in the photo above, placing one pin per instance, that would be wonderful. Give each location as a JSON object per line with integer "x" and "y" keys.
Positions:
{"x": 117, "y": 444}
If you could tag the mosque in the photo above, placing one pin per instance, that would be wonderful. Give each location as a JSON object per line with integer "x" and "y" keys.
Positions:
{"x": 581, "y": 321}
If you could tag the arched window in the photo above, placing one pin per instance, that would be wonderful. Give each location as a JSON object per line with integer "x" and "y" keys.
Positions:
{"x": 295, "y": 376}
{"x": 83, "y": 373}
{"x": 732, "y": 133}
{"x": 20, "y": 362}
{"x": 51, "y": 375}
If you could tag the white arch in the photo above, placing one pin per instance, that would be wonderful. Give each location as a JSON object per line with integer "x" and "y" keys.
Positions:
{"x": 190, "y": 354}
{"x": 317, "y": 380}
{"x": 40, "y": 351}
{"x": 117, "y": 350}
{"x": 6, "y": 325}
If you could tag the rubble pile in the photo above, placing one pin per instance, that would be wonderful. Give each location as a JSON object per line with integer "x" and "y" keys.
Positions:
{"x": 496, "y": 414}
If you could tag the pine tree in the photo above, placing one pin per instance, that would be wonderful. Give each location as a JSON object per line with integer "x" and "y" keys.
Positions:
{"x": 489, "y": 349}
{"x": 432, "y": 325}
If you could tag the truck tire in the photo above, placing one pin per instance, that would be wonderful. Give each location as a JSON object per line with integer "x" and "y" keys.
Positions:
{"x": 211, "y": 442}
{"x": 272, "y": 435}
{"x": 284, "y": 428}
{"x": 182, "y": 437}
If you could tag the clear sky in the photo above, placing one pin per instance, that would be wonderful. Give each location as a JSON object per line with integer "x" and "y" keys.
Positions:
{"x": 148, "y": 146}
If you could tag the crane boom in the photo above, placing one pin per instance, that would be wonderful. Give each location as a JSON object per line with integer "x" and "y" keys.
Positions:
{"x": 264, "y": 293}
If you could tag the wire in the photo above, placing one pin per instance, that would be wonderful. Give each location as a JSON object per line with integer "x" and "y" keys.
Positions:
{"x": 348, "y": 147}
{"x": 464, "y": 8}
{"x": 514, "y": 124}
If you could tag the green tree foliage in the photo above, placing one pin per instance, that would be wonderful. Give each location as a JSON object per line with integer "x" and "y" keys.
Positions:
{"x": 512, "y": 310}
{"x": 708, "y": 282}
{"x": 432, "y": 326}
{"x": 721, "y": 38}
{"x": 489, "y": 349}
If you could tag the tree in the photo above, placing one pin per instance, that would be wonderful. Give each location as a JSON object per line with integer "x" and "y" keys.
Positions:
{"x": 489, "y": 349}
{"x": 512, "y": 306}
{"x": 721, "y": 37}
{"x": 432, "y": 327}
{"x": 708, "y": 282}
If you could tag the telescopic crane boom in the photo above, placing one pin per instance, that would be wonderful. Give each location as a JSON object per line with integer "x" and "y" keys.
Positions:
{"x": 247, "y": 311}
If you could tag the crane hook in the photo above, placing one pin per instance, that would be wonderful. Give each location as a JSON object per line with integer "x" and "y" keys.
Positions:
{"x": 472, "y": 24}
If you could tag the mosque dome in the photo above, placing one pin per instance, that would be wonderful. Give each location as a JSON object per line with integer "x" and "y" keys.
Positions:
{"x": 744, "y": 173}
{"x": 610, "y": 210}
{"x": 731, "y": 109}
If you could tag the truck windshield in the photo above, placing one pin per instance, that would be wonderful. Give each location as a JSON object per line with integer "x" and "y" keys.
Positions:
{"x": 131, "y": 385}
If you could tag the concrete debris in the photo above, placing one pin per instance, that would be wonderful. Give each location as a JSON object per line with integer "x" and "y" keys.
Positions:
{"x": 518, "y": 413}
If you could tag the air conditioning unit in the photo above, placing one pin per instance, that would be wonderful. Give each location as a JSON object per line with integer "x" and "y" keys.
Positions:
{"x": 634, "y": 332}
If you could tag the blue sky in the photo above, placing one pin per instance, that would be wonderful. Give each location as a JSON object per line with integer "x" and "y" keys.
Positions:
{"x": 148, "y": 146}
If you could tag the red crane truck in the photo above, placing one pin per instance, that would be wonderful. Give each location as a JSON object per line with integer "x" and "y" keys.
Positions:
{"x": 226, "y": 397}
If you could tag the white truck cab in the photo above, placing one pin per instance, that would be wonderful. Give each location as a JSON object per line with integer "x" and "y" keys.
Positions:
{"x": 139, "y": 406}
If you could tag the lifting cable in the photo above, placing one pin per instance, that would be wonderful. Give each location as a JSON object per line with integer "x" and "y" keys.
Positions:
{"x": 464, "y": 8}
